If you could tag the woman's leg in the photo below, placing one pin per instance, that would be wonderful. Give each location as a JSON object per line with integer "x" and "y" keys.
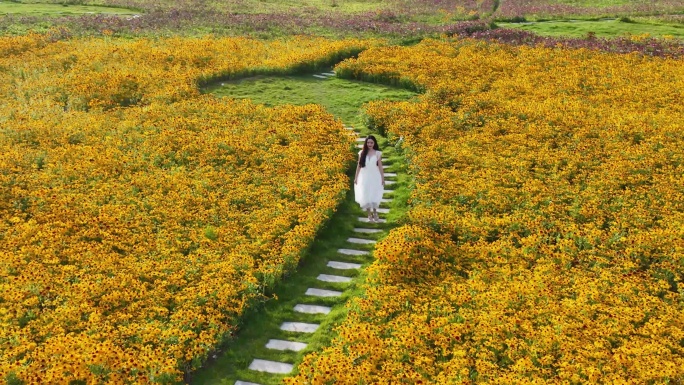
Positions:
{"x": 371, "y": 218}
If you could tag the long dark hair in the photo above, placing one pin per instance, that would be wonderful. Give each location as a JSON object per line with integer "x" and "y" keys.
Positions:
{"x": 364, "y": 151}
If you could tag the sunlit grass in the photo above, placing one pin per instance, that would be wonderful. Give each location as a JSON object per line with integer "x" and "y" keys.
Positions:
{"x": 597, "y": 3}
{"x": 40, "y": 9}
{"x": 340, "y": 97}
{"x": 601, "y": 28}
{"x": 261, "y": 6}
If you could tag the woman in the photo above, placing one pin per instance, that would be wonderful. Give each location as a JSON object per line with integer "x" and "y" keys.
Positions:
{"x": 369, "y": 181}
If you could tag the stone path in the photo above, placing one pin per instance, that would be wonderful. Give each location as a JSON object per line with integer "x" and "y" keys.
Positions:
{"x": 343, "y": 265}
{"x": 299, "y": 327}
{"x": 361, "y": 241}
{"x": 357, "y": 245}
{"x": 322, "y": 292}
{"x": 324, "y": 75}
{"x": 311, "y": 309}
{"x": 285, "y": 345}
{"x": 366, "y": 231}
{"x": 270, "y": 366}
{"x": 333, "y": 278}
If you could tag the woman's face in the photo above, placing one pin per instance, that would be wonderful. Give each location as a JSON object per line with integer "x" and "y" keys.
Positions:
{"x": 370, "y": 143}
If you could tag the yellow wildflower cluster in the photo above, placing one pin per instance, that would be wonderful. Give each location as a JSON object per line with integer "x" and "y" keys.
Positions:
{"x": 545, "y": 237}
{"x": 133, "y": 238}
{"x": 108, "y": 73}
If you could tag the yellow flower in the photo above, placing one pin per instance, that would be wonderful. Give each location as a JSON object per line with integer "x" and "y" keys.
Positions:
{"x": 142, "y": 218}
{"x": 544, "y": 239}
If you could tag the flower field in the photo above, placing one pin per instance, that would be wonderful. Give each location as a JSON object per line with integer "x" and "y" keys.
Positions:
{"x": 545, "y": 236}
{"x": 139, "y": 218}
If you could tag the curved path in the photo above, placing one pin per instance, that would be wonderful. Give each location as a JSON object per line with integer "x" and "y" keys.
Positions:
{"x": 276, "y": 337}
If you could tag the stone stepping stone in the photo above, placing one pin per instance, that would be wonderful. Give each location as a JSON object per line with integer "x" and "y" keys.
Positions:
{"x": 366, "y": 231}
{"x": 386, "y": 166}
{"x": 361, "y": 241}
{"x": 270, "y": 366}
{"x": 360, "y": 140}
{"x": 311, "y": 309}
{"x": 328, "y": 73}
{"x": 383, "y": 211}
{"x": 391, "y": 174}
{"x": 348, "y": 128}
{"x": 299, "y": 327}
{"x": 322, "y": 292}
{"x": 320, "y": 76}
{"x": 343, "y": 265}
{"x": 285, "y": 345}
{"x": 352, "y": 252}
{"x": 359, "y": 146}
{"x": 332, "y": 278}
{"x": 385, "y": 200}
{"x": 385, "y": 191}
{"x": 238, "y": 382}
{"x": 389, "y": 182}
{"x": 366, "y": 220}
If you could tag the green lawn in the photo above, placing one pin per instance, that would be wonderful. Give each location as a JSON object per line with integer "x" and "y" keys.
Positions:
{"x": 596, "y": 3}
{"x": 43, "y": 9}
{"x": 266, "y": 6}
{"x": 46, "y": 7}
{"x": 341, "y": 97}
{"x": 602, "y": 28}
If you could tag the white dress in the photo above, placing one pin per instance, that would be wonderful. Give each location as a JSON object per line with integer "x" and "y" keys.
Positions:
{"x": 368, "y": 187}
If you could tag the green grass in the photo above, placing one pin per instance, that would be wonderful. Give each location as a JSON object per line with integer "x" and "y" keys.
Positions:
{"x": 602, "y": 28}
{"x": 595, "y": 3}
{"x": 265, "y": 6}
{"x": 43, "y": 9}
{"x": 343, "y": 98}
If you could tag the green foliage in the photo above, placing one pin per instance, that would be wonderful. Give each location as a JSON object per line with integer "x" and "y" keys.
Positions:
{"x": 12, "y": 379}
{"x": 211, "y": 233}
{"x": 340, "y": 97}
{"x": 599, "y": 28}
{"x": 47, "y": 9}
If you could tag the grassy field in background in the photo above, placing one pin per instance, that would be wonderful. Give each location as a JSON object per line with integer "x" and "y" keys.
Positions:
{"x": 38, "y": 9}
{"x": 266, "y": 6}
{"x": 340, "y": 97}
{"x": 592, "y": 3}
{"x": 602, "y": 28}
